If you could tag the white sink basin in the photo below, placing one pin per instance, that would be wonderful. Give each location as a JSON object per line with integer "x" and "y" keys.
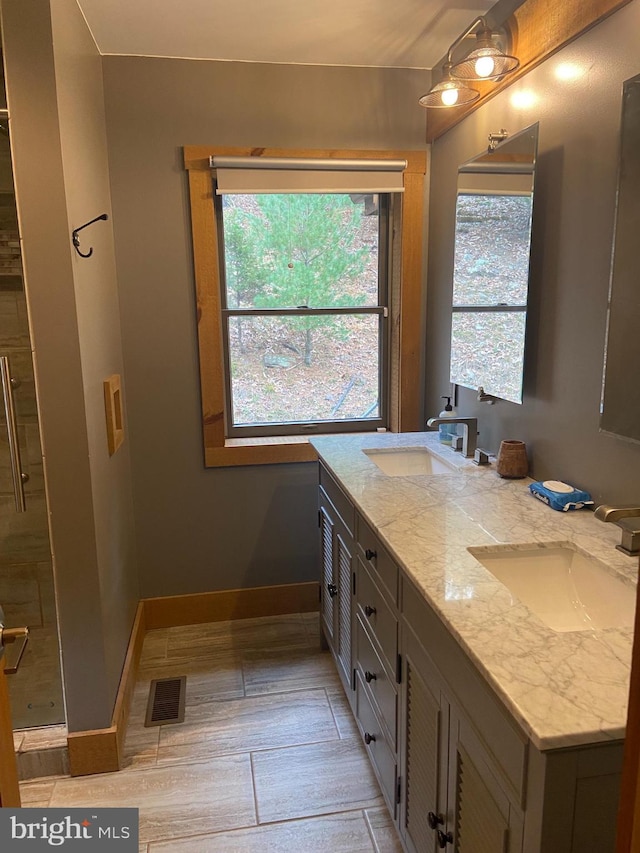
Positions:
{"x": 564, "y": 588}
{"x": 407, "y": 461}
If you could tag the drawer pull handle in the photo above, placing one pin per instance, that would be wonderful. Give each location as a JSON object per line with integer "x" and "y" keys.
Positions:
{"x": 368, "y": 610}
{"x": 434, "y": 820}
{"x": 332, "y": 589}
{"x": 369, "y": 677}
{"x": 370, "y": 555}
{"x": 443, "y": 839}
{"x": 369, "y": 738}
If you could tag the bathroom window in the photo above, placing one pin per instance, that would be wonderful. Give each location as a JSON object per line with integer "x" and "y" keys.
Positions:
{"x": 304, "y": 312}
{"x": 301, "y": 283}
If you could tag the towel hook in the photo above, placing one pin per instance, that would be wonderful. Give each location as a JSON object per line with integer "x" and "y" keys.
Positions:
{"x": 76, "y": 239}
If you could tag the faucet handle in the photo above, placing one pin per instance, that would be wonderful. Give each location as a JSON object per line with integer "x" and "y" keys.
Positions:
{"x": 614, "y": 513}
{"x": 481, "y": 457}
{"x": 630, "y": 543}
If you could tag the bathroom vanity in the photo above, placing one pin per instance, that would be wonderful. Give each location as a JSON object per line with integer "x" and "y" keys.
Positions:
{"x": 488, "y": 729}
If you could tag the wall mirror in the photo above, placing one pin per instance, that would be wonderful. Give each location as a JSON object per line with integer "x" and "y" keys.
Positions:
{"x": 491, "y": 266}
{"x": 620, "y": 408}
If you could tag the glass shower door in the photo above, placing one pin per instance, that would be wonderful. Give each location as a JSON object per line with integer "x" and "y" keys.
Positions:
{"x": 26, "y": 571}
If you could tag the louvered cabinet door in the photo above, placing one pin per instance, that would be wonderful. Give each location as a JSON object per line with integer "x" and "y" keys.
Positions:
{"x": 483, "y": 818}
{"x": 344, "y": 557}
{"x": 329, "y": 586}
{"x": 423, "y": 773}
{"x": 480, "y": 825}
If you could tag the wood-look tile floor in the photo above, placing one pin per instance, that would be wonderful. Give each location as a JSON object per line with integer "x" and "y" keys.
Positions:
{"x": 267, "y": 760}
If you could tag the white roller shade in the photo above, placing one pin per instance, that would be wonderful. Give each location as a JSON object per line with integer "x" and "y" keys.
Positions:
{"x": 495, "y": 184}
{"x": 257, "y": 175}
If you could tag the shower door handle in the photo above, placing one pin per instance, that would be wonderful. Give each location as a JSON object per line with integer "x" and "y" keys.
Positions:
{"x": 12, "y": 635}
{"x": 8, "y": 636}
{"x": 18, "y": 476}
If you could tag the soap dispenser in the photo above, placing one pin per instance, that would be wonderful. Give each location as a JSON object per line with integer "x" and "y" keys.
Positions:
{"x": 447, "y": 431}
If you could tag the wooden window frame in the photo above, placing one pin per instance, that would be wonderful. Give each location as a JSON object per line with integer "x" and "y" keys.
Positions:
{"x": 406, "y": 313}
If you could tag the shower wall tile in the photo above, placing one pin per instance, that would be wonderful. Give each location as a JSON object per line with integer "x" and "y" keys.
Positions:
{"x": 10, "y": 255}
{"x": 24, "y": 394}
{"x": 30, "y": 458}
{"x": 8, "y": 309}
{"x": 12, "y": 284}
{"x": 20, "y": 595}
{"x": 47, "y": 594}
{"x": 35, "y": 682}
{"x": 27, "y": 594}
{"x": 21, "y": 302}
{"x": 14, "y": 330}
{"x": 24, "y": 536}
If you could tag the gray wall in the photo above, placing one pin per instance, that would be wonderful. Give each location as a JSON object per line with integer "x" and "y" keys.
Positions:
{"x": 206, "y": 529}
{"x": 54, "y": 85}
{"x": 573, "y": 230}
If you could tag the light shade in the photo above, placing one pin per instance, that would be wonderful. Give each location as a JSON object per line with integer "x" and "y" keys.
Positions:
{"x": 485, "y": 62}
{"x": 449, "y": 93}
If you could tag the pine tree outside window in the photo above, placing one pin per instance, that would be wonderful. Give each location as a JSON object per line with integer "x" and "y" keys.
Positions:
{"x": 304, "y": 307}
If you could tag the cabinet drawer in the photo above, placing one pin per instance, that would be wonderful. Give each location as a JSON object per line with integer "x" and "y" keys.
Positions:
{"x": 505, "y": 743}
{"x": 341, "y": 502}
{"x": 380, "y": 685}
{"x": 377, "y": 615}
{"x": 378, "y": 559}
{"x": 381, "y": 755}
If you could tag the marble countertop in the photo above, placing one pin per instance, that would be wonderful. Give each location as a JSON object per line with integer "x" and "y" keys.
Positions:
{"x": 562, "y": 688}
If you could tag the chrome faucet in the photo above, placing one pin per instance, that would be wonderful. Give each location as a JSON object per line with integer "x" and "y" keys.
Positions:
{"x": 630, "y": 543}
{"x": 469, "y": 432}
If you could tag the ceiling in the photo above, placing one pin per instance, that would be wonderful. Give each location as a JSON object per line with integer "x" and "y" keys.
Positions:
{"x": 376, "y": 33}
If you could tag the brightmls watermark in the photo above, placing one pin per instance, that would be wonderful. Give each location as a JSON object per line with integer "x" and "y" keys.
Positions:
{"x": 26, "y": 830}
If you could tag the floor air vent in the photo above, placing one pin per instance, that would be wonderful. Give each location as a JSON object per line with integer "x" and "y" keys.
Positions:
{"x": 166, "y": 701}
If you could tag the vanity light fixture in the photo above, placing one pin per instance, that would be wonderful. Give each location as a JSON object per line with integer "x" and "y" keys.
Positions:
{"x": 449, "y": 92}
{"x": 486, "y": 62}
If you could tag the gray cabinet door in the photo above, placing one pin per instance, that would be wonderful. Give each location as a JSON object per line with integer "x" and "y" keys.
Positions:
{"x": 481, "y": 827}
{"x": 482, "y": 819}
{"x": 328, "y": 584}
{"x": 424, "y": 757}
{"x": 344, "y": 562}
{"x": 337, "y": 567}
